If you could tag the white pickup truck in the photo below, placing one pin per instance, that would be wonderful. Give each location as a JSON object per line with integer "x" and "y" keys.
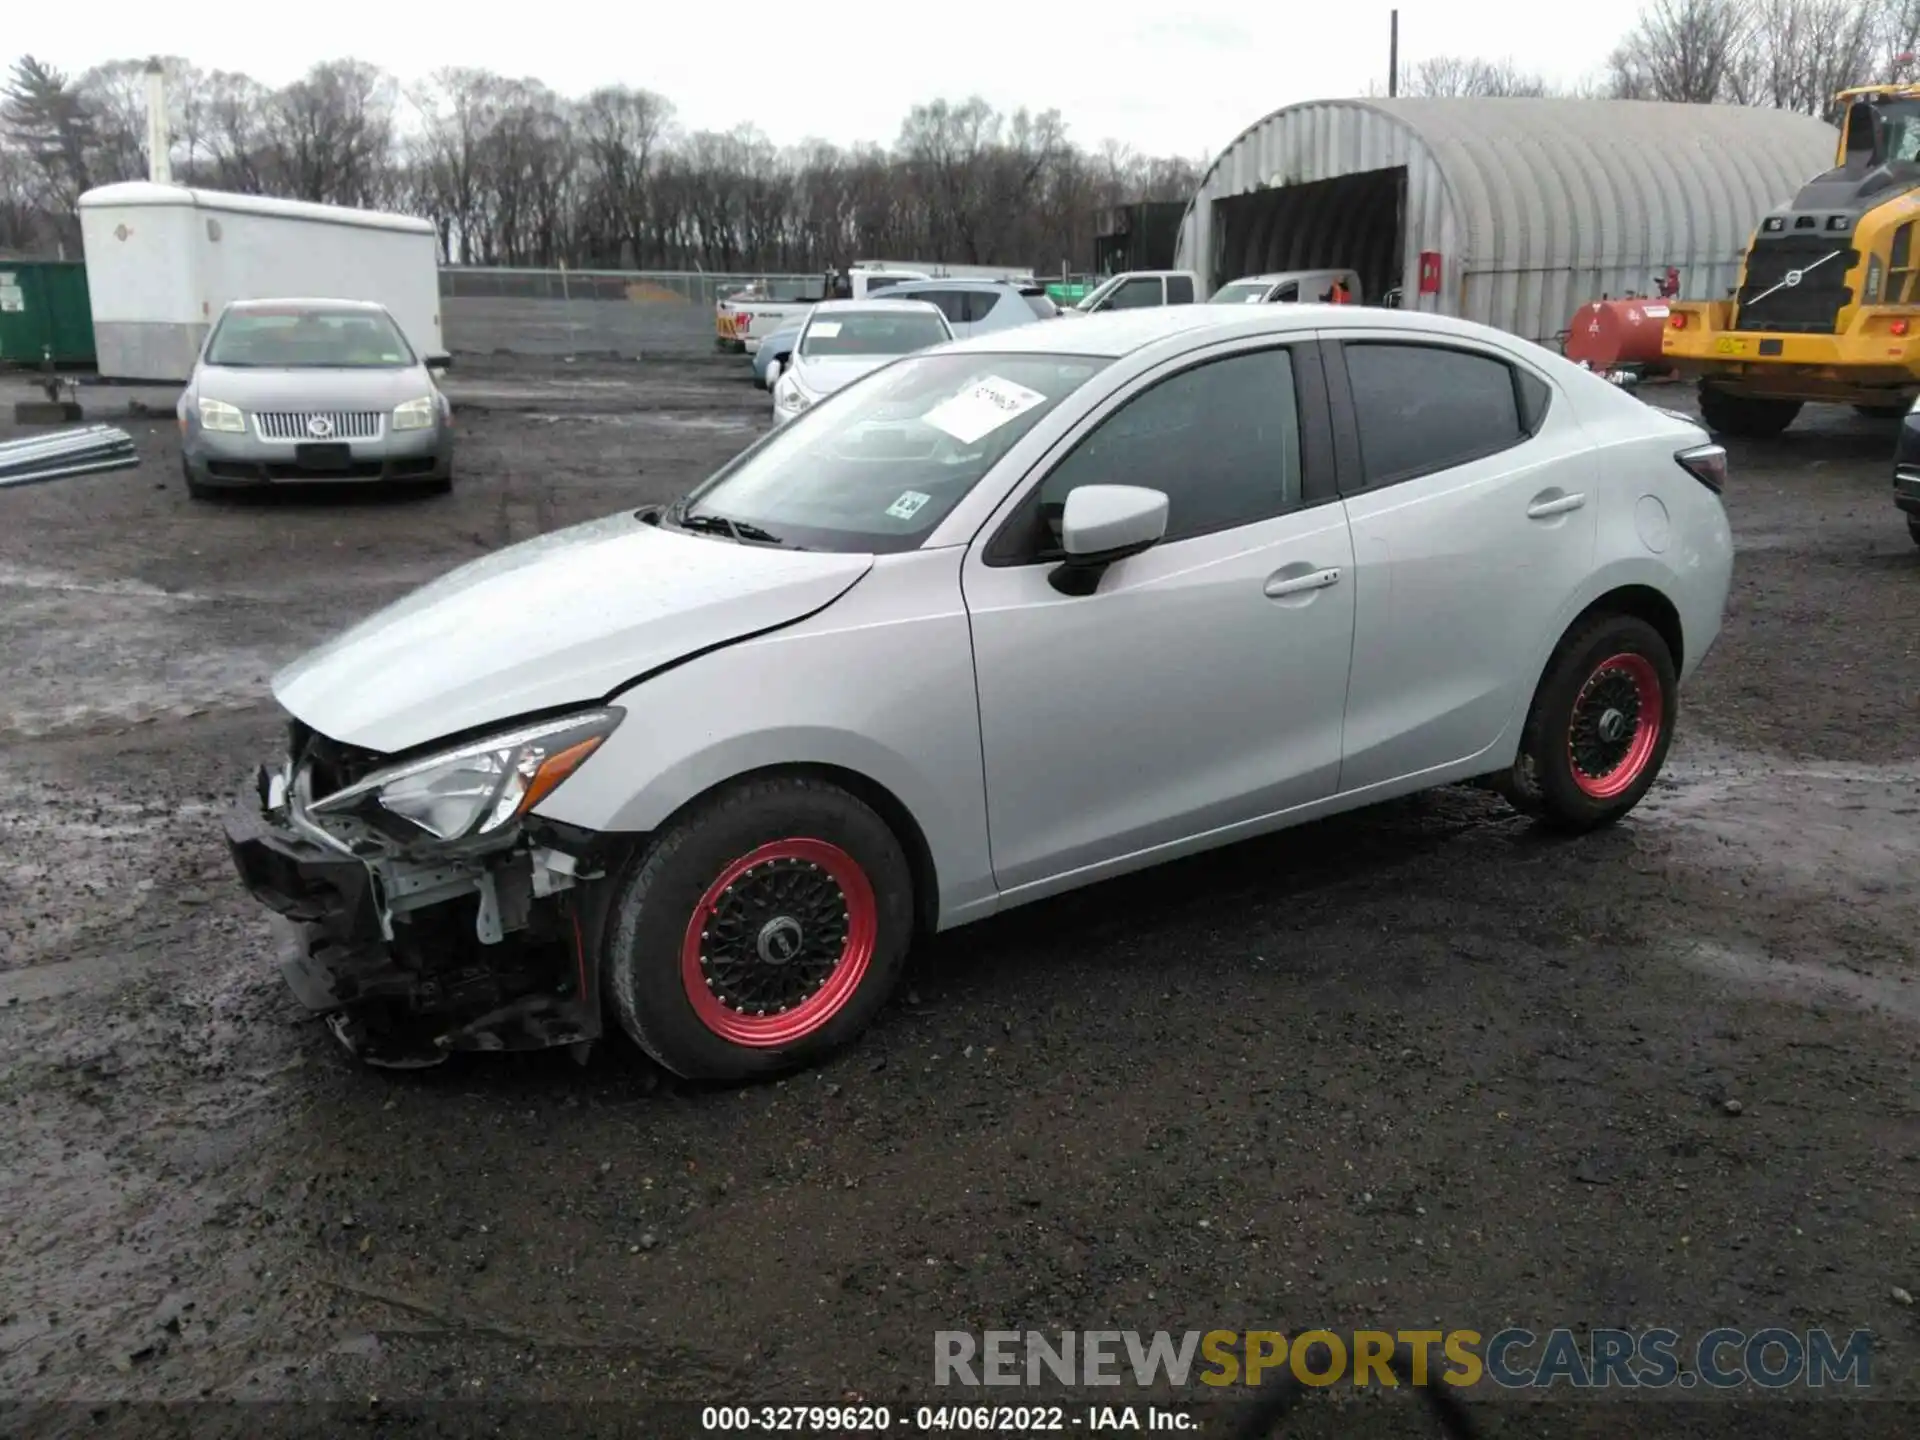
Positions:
{"x": 742, "y": 320}
{"x": 1139, "y": 290}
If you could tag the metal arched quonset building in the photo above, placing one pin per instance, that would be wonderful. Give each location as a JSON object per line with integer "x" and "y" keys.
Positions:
{"x": 1509, "y": 211}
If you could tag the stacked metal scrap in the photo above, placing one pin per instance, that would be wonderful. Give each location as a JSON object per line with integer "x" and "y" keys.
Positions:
{"x": 88, "y": 450}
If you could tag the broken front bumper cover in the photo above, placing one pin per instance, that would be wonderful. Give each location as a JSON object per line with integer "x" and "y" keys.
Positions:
{"x": 336, "y": 952}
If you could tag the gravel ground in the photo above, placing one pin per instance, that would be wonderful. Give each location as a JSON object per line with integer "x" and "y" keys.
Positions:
{"x": 1416, "y": 1067}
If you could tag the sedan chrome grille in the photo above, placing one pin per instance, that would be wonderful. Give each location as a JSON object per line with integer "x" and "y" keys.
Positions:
{"x": 318, "y": 424}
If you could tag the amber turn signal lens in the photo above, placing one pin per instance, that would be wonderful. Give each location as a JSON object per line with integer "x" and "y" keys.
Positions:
{"x": 553, "y": 770}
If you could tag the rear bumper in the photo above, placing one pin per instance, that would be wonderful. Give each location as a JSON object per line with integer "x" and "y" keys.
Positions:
{"x": 1906, "y": 488}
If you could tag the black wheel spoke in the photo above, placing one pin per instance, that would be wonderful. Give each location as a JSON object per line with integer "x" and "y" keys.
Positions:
{"x": 775, "y": 936}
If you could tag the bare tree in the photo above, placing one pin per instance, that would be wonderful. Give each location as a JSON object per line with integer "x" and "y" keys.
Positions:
{"x": 1688, "y": 50}
{"x": 1456, "y": 75}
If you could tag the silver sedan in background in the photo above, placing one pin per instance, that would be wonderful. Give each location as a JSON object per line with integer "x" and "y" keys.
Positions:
{"x": 313, "y": 390}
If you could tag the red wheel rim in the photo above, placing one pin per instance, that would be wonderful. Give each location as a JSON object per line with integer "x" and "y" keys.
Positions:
{"x": 1615, "y": 725}
{"x": 779, "y": 943}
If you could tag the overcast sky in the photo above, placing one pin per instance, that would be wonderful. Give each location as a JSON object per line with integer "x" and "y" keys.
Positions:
{"x": 849, "y": 72}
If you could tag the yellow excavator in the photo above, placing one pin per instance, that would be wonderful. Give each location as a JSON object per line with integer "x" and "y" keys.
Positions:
{"x": 1828, "y": 309}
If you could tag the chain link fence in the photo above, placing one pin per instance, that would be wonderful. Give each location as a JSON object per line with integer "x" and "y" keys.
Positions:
{"x": 651, "y": 314}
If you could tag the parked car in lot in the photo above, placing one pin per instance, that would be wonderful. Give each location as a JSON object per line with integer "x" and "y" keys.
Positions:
{"x": 846, "y": 340}
{"x": 774, "y": 353}
{"x": 974, "y": 307}
{"x": 1005, "y": 618}
{"x": 1906, "y": 472}
{"x": 312, "y": 390}
{"x": 1288, "y": 287}
{"x": 1138, "y": 290}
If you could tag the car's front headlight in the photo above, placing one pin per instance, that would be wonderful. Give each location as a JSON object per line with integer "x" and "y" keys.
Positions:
{"x": 218, "y": 415}
{"x": 789, "y": 397}
{"x": 479, "y": 788}
{"x": 414, "y": 415}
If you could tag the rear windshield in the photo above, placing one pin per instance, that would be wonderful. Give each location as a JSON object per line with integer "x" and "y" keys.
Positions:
{"x": 310, "y": 338}
{"x": 896, "y": 332}
{"x": 1040, "y": 303}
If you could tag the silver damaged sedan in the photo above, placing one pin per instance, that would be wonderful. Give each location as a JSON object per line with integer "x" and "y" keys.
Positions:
{"x": 313, "y": 390}
{"x": 1006, "y": 617}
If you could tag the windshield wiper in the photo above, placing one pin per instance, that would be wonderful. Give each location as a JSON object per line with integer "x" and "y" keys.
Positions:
{"x": 740, "y": 530}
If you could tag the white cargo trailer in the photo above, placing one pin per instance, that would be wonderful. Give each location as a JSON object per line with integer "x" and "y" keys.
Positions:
{"x": 163, "y": 259}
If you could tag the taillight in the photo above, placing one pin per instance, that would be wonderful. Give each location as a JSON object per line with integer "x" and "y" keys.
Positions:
{"x": 1678, "y": 320}
{"x": 1898, "y": 327}
{"x": 1707, "y": 464}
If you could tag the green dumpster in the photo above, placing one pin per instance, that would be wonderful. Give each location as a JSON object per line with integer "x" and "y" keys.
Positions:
{"x": 44, "y": 307}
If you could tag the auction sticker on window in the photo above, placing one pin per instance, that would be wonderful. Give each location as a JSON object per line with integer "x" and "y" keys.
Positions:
{"x": 982, "y": 408}
{"x": 908, "y": 505}
{"x": 825, "y": 329}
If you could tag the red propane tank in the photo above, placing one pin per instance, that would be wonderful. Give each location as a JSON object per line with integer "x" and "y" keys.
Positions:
{"x": 1607, "y": 334}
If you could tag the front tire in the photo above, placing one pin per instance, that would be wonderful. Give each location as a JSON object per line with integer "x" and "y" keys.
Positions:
{"x": 1599, "y": 728}
{"x": 1743, "y": 416}
{"x": 1913, "y": 529}
{"x": 761, "y": 932}
{"x": 195, "y": 490}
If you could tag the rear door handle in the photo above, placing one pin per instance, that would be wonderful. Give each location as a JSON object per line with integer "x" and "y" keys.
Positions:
{"x": 1294, "y": 584}
{"x": 1559, "y": 505}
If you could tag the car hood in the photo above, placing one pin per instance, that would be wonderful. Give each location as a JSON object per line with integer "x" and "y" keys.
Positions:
{"x": 568, "y": 618}
{"x": 314, "y": 389}
{"x": 836, "y": 372}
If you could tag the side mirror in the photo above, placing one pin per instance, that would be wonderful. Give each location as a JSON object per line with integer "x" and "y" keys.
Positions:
{"x": 774, "y": 370}
{"x": 439, "y": 364}
{"x": 1103, "y": 524}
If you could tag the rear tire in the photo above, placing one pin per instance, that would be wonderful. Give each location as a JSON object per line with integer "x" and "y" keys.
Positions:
{"x": 1913, "y": 530}
{"x": 1599, "y": 727}
{"x": 761, "y": 932}
{"x": 1743, "y": 416}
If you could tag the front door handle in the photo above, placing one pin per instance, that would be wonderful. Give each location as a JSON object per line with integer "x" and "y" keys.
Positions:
{"x": 1545, "y": 509}
{"x": 1294, "y": 584}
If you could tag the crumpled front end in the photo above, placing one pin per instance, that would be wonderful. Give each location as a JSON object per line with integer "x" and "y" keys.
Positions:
{"x": 415, "y": 930}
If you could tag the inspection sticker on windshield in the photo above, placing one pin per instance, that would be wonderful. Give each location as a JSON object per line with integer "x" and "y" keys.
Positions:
{"x": 1253, "y": 300}
{"x": 983, "y": 407}
{"x": 825, "y": 329}
{"x": 908, "y": 505}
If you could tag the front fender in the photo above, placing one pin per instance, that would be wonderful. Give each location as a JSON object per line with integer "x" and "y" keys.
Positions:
{"x": 880, "y": 683}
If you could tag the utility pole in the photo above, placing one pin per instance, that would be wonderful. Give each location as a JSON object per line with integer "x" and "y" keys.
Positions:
{"x": 1393, "y": 54}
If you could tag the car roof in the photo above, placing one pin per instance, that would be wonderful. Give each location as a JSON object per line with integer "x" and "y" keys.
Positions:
{"x": 866, "y": 307}
{"x": 371, "y": 307}
{"x": 1121, "y": 333}
{"x": 960, "y": 282}
{"x": 1273, "y": 276}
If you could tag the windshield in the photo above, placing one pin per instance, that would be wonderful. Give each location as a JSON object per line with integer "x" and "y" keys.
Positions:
{"x": 875, "y": 468}
{"x": 310, "y": 338}
{"x": 874, "y": 332}
{"x": 1241, "y": 292}
{"x": 1099, "y": 292}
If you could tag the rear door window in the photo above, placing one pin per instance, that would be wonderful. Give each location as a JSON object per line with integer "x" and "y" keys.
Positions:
{"x": 1423, "y": 408}
{"x": 980, "y": 304}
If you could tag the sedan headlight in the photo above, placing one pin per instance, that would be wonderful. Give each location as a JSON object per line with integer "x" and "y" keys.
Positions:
{"x": 414, "y": 415}
{"x": 218, "y": 415}
{"x": 789, "y": 397}
{"x": 481, "y": 787}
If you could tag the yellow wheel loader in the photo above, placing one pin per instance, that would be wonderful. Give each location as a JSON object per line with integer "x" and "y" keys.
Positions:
{"x": 1828, "y": 309}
